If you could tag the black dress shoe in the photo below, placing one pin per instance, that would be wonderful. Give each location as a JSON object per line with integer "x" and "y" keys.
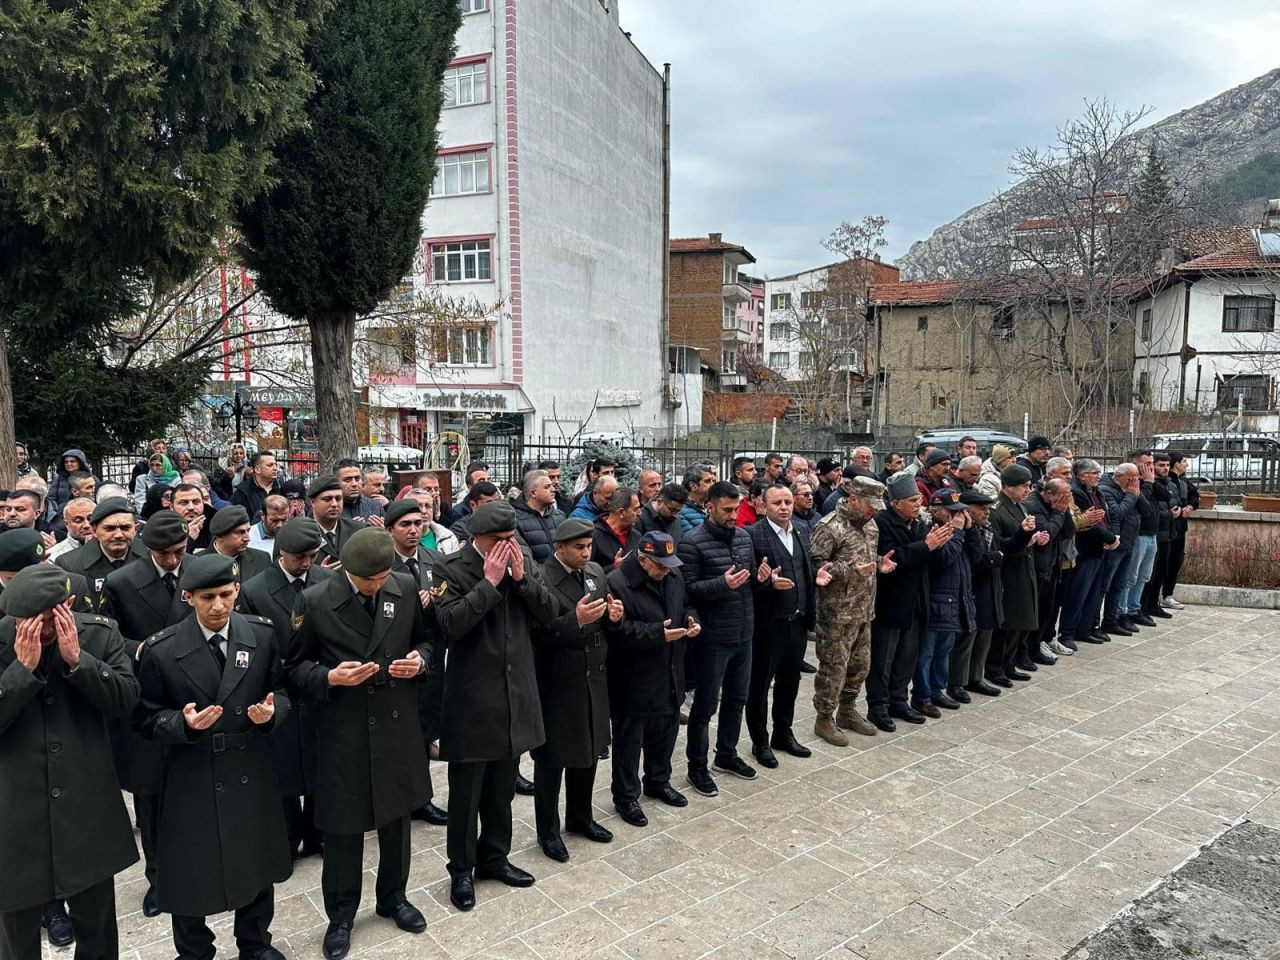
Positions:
{"x": 807, "y": 667}
{"x": 1025, "y": 664}
{"x": 555, "y": 849}
{"x": 737, "y": 766}
{"x": 604, "y": 754}
{"x": 1097, "y": 637}
{"x": 462, "y": 892}
{"x": 1142, "y": 619}
{"x": 1019, "y": 675}
{"x": 524, "y": 786}
{"x": 1160, "y": 612}
{"x": 1128, "y": 623}
{"x": 337, "y": 941}
{"x": 1043, "y": 661}
{"x": 1069, "y": 644}
{"x": 58, "y": 925}
{"x": 764, "y": 755}
{"x": 999, "y": 680}
{"x": 149, "y": 907}
{"x": 988, "y": 689}
{"x": 631, "y": 812}
{"x": 904, "y": 712}
{"x": 882, "y": 721}
{"x": 788, "y": 743}
{"x": 668, "y": 795}
{"x": 266, "y": 953}
{"x": 1115, "y": 628}
{"x": 959, "y": 695}
{"x": 593, "y": 832}
{"x": 407, "y": 917}
{"x": 432, "y": 814}
{"x": 506, "y": 873}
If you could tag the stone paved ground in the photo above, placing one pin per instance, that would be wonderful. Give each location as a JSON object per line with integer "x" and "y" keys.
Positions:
{"x": 1011, "y": 829}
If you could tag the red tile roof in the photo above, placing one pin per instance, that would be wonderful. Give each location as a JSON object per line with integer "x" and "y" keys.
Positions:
{"x": 707, "y": 245}
{"x": 918, "y": 293}
{"x": 1238, "y": 258}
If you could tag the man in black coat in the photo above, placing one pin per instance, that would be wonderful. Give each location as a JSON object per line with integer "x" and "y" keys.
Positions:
{"x": 272, "y": 594}
{"x": 229, "y": 529}
{"x": 718, "y": 565}
{"x": 144, "y": 599}
{"x": 662, "y": 514}
{"x": 646, "y": 673}
{"x": 1051, "y": 507}
{"x": 1007, "y": 657}
{"x": 1121, "y": 494}
{"x": 785, "y": 589}
{"x": 65, "y": 833}
{"x": 569, "y": 658}
{"x": 212, "y": 686}
{"x": 487, "y": 597}
{"x": 325, "y": 494}
{"x": 985, "y": 555}
{"x": 1162, "y": 495}
{"x": 614, "y": 533}
{"x": 190, "y": 503}
{"x": 114, "y": 543}
{"x": 359, "y": 645}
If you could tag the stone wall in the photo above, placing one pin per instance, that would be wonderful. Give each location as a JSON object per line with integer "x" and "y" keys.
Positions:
{"x": 1231, "y": 547}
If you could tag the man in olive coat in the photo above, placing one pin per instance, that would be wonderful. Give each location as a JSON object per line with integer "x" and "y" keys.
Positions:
{"x": 114, "y": 544}
{"x": 65, "y": 833}
{"x": 487, "y": 597}
{"x": 230, "y": 531}
{"x": 325, "y": 495}
{"x": 272, "y": 594}
{"x": 359, "y": 646}
{"x": 1017, "y": 574}
{"x": 569, "y": 659}
{"x": 144, "y": 599}
{"x": 212, "y": 686}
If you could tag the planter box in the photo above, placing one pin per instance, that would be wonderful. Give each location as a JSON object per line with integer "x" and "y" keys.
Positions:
{"x": 1208, "y": 499}
{"x": 1261, "y": 502}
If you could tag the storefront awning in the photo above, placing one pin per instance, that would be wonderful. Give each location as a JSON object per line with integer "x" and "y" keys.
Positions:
{"x": 452, "y": 398}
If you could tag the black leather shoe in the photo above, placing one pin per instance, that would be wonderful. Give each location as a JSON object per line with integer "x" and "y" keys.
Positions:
{"x": 311, "y": 848}
{"x": 407, "y": 917}
{"x": 959, "y": 695}
{"x": 337, "y": 941}
{"x": 904, "y": 712}
{"x": 1143, "y": 619}
{"x": 1160, "y": 612}
{"x": 1036, "y": 658}
{"x": 882, "y": 721}
{"x": 507, "y": 873}
{"x": 737, "y": 766}
{"x": 1097, "y": 637}
{"x": 789, "y": 744}
{"x": 604, "y": 754}
{"x": 149, "y": 906}
{"x": 668, "y": 795}
{"x": 462, "y": 892}
{"x": 807, "y": 667}
{"x": 1019, "y": 675}
{"x": 555, "y": 849}
{"x": 1115, "y": 628}
{"x": 58, "y": 925}
{"x": 432, "y": 814}
{"x": 524, "y": 786}
{"x": 1025, "y": 664}
{"x": 925, "y": 708}
{"x": 266, "y": 953}
{"x": 1128, "y": 623}
{"x": 764, "y": 755}
{"x": 593, "y": 832}
{"x": 631, "y": 812}
{"x": 999, "y": 680}
{"x": 986, "y": 688}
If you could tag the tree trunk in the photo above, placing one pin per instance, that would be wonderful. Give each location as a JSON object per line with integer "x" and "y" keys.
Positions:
{"x": 332, "y": 339}
{"x": 8, "y": 457}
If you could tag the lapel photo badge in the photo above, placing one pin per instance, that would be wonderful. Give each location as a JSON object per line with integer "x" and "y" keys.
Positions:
{"x": 97, "y": 584}
{"x": 591, "y": 584}
{"x": 389, "y": 610}
{"x": 242, "y": 659}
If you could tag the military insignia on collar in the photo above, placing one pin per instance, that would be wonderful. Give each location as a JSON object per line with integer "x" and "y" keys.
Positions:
{"x": 297, "y": 620}
{"x": 68, "y": 584}
{"x": 439, "y": 591}
{"x": 39, "y": 549}
{"x": 235, "y": 569}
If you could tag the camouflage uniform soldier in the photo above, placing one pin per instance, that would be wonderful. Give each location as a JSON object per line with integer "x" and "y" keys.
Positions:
{"x": 846, "y": 538}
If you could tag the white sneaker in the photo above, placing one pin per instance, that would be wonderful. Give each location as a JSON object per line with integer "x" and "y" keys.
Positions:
{"x": 1171, "y": 604}
{"x": 1046, "y": 652}
{"x": 1059, "y": 649}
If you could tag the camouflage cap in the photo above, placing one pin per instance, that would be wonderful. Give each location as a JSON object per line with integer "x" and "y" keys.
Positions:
{"x": 868, "y": 489}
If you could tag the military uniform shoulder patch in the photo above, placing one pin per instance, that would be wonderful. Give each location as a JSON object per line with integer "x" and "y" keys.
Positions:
{"x": 440, "y": 588}
{"x": 258, "y": 618}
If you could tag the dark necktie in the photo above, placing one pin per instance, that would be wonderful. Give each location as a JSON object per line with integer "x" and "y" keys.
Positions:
{"x": 171, "y": 584}
{"x": 369, "y": 603}
{"x": 412, "y": 566}
{"x": 582, "y": 580}
{"x": 297, "y": 585}
{"x": 215, "y": 644}
{"x": 117, "y": 564}
{"x": 332, "y": 539}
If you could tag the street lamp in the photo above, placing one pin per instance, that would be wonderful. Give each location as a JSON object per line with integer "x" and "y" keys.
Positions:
{"x": 241, "y": 413}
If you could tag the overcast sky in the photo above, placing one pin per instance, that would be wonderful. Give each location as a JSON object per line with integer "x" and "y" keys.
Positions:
{"x": 790, "y": 115}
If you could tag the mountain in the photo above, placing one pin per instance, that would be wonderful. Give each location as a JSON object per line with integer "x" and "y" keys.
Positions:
{"x": 1226, "y": 150}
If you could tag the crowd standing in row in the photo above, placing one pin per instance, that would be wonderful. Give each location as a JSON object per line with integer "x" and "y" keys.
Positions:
{"x": 269, "y": 669}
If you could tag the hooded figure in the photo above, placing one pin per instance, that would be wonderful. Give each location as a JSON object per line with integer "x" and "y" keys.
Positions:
{"x": 60, "y": 488}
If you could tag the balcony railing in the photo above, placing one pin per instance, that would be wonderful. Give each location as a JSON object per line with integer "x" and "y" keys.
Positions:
{"x": 735, "y": 292}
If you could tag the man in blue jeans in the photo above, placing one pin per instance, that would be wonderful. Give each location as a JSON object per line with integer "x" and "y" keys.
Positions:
{"x": 717, "y": 567}
{"x": 1120, "y": 493}
{"x": 1143, "y": 559}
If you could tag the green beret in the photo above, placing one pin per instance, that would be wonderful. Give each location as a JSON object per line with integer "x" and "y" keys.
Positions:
{"x": 575, "y": 528}
{"x": 322, "y": 485}
{"x": 496, "y": 516}
{"x": 399, "y": 509}
{"x": 164, "y": 531}
{"x": 109, "y": 508}
{"x": 368, "y": 552}
{"x": 227, "y": 519}
{"x": 35, "y": 589}
{"x": 20, "y": 548}
{"x": 299, "y": 535}
{"x": 209, "y": 570}
{"x": 1014, "y": 475}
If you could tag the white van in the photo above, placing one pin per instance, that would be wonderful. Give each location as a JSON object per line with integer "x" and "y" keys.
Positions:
{"x": 1221, "y": 458}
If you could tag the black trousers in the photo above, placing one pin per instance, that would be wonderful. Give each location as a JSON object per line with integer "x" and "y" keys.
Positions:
{"x": 1159, "y": 574}
{"x": 724, "y": 674}
{"x": 961, "y": 652}
{"x": 579, "y": 782}
{"x": 1005, "y": 647}
{"x": 893, "y": 662}
{"x": 977, "y": 658}
{"x": 657, "y": 737}
{"x": 93, "y": 917}
{"x": 479, "y": 830}
{"x": 1048, "y": 604}
{"x": 343, "y": 872}
{"x": 194, "y": 940}
{"x": 146, "y": 811}
{"x": 300, "y": 821}
{"x": 1177, "y": 553}
{"x": 776, "y": 655}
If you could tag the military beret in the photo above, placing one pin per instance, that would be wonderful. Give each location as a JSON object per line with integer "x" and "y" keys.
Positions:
{"x": 35, "y": 589}
{"x": 368, "y": 552}
{"x": 208, "y": 570}
{"x": 496, "y": 516}
{"x": 109, "y": 508}
{"x": 227, "y": 519}
{"x": 902, "y": 486}
{"x": 575, "y": 528}
{"x": 299, "y": 535}
{"x": 399, "y": 509}
{"x": 20, "y": 548}
{"x": 322, "y": 485}
{"x": 1014, "y": 475}
{"x": 976, "y": 498}
{"x": 164, "y": 531}
{"x": 870, "y": 489}
{"x": 936, "y": 456}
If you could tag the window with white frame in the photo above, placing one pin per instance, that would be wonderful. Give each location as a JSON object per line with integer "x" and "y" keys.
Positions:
{"x": 779, "y": 332}
{"x": 470, "y": 347}
{"x": 780, "y": 301}
{"x": 779, "y": 359}
{"x": 458, "y": 174}
{"x": 461, "y": 261}
{"x": 473, "y": 6}
{"x": 466, "y": 84}
{"x": 728, "y": 361}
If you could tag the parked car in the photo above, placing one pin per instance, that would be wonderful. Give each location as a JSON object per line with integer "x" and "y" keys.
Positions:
{"x": 949, "y": 437}
{"x": 1219, "y": 457}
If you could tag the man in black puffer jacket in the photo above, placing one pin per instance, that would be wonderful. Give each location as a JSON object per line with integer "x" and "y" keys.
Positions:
{"x": 1120, "y": 492}
{"x": 1162, "y": 499}
{"x": 717, "y": 558}
{"x": 537, "y": 515}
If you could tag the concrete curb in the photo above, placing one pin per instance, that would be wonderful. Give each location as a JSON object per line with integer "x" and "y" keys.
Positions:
{"x": 1248, "y": 597}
